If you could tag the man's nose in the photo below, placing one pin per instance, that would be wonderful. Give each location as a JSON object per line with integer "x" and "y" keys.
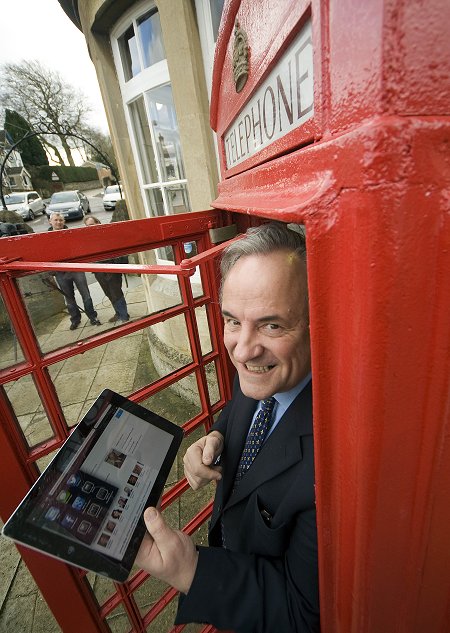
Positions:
{"x": 247, "y": 346}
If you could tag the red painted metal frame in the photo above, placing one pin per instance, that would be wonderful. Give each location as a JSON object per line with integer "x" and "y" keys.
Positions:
{"x": 60, "y": 584}
{"x": 373, "y": 191}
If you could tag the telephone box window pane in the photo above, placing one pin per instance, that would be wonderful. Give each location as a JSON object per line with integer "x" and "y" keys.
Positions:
{"x": 143, "y": 141}
{"x": 150, "y": 35}
{"x": 179, "y": 403}
{"x": 201, "y": 316}
{"x": 178, "y": 199}
{"x": 213, "y": 383}
{"x": 118, "y": 620}
{"x": 216, "y": 14}
{"x": 165, "y": 126}
{"x": 29, "y": 411}
{"x": 155, "y": 202}
{"x": 129, "y": 54}
{"x": 164, "y": 620}
{"x": 10, "y": 350}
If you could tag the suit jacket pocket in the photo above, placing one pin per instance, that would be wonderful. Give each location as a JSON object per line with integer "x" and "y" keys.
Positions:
{"x": 269, "y": 539}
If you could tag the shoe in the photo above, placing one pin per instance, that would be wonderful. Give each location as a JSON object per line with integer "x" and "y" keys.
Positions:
{"x": 125, "y": 320}
{"x": 113, "y": 319}
{"x": 73, "y": 326}
{"x": 95, "y": 322}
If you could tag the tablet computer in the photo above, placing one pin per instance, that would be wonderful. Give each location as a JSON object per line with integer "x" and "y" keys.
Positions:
{"x": 87, "y": 506}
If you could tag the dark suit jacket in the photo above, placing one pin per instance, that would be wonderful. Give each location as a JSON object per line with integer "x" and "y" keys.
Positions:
{"x": 266, "y": 580}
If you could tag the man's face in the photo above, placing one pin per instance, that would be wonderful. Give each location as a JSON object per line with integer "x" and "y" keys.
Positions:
{"x": 266, "y": 328}
{"x": 57, "y": 222}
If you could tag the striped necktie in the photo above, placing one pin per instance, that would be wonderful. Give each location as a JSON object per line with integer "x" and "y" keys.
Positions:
{"x": 255, "y": 438}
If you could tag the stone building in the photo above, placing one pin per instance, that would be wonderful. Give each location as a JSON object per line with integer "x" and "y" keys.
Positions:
{"x": 154, "y": 62}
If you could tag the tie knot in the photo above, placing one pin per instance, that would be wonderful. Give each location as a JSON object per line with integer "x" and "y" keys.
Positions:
{"x": 267, "y": 405}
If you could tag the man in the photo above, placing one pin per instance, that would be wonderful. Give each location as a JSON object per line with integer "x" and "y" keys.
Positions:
{"x": 111, "y": 283}
{"x": 260, "y": 572}
{"x": 68, "y": 281}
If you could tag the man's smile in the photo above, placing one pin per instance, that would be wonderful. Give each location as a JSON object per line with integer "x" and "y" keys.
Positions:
{"x": 258, "y": 369}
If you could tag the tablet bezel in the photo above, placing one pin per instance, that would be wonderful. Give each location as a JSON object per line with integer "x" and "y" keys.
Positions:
{"x": 20, "y": 530}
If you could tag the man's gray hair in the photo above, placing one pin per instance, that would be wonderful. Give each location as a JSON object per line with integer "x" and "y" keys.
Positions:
{"x": 53, "y": 213}
{"x": 262, "y": 240}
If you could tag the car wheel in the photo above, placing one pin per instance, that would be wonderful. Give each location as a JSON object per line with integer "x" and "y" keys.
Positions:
{"x": 44, "y": 212}
{"x": 31, "y": 215}
{"x": 88, "y": 210}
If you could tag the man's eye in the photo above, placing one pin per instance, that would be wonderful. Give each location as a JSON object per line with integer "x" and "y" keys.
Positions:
{"x": 272, "y": 327}
{"x": 232, "y": 323}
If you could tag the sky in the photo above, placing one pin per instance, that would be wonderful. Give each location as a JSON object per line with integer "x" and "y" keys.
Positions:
{"x": 39, "y": 29}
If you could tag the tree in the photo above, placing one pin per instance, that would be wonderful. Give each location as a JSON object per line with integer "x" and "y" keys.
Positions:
{"x": 102, "y": 143}
{"x": 31, "y": 150}
{"x": 50, "y": 105}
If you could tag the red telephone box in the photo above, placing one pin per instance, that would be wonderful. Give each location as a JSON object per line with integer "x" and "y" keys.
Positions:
{"x": 334, "y": 115}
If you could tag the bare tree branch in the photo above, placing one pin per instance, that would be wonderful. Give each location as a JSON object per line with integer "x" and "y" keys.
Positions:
{"x": 50, "y": 105}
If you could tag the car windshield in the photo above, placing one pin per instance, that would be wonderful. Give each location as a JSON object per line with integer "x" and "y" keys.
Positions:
{"x": 15, "y": 198}
{"x": 64, "y": 196}
{"x": 112, "y": 189}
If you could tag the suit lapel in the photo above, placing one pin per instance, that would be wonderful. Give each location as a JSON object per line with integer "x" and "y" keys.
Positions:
{"x": 242, "y": 416}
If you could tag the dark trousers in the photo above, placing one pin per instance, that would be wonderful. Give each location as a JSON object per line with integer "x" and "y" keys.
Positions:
{"x": 111, "y": 284}
{"x": 67, "y": 283}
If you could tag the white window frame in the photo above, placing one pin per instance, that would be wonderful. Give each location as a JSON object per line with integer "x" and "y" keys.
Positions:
{"x": 136, "y": 87}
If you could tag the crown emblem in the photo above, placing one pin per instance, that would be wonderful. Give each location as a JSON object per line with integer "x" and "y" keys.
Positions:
{"x": 240, "y": 58}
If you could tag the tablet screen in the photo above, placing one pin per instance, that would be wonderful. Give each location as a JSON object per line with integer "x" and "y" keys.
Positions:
{"x": 94, "y": 492}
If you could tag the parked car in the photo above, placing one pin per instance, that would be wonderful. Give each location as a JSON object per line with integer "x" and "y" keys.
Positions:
{"x": 112, "y": 194}
{"x": 73, "y": 205}
{"x": 26, "y": 203}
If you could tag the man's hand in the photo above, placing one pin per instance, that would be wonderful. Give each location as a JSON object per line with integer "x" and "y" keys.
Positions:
{"x": 199, "y": 460}
{"x": 167, "y": 554}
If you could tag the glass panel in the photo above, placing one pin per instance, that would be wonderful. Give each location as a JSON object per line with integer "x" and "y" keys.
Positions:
{"x": 216, "y": 14}
{"x": 178, "y": 403}
{"x": 143, "y": 140}
{"x": 196, "y": 285}
{"x": 190, "y": 249}
{"x": 178, "y": 199}
{"x": 165, "y": 126}
{"x": 169, "y": 344}
{"x": 213, "y": 383}
{"x": 134, "y": 295}
{"x": 155, "y": 201}
{"x": 10, "y": 350}
{"x": 162, "y": 292}
{"x": 150, "y": 35}
{"x": 43, "y": 462}
{"x": 166, "y": 253}
{"x": 129, "y": 54}
{"x": 164, "y": 621}
{"x": 27, "y": 406}
{"x": 118, "y": 620}
{"x": 203, "y": 329}
{"x": 190, "y": 504}
{"x": 147, "y": 594}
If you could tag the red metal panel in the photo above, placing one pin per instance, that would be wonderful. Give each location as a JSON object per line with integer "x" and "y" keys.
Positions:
{"x": 372, "y": 191}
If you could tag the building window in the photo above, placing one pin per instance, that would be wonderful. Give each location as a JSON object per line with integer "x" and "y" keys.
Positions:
{"x": 140, "y": 59}
{"x": 209, "y": 14}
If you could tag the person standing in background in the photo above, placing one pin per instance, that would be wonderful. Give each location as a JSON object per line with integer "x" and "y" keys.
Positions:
{"x": 67, "y": 281}
{"x": 111, "y": 283}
